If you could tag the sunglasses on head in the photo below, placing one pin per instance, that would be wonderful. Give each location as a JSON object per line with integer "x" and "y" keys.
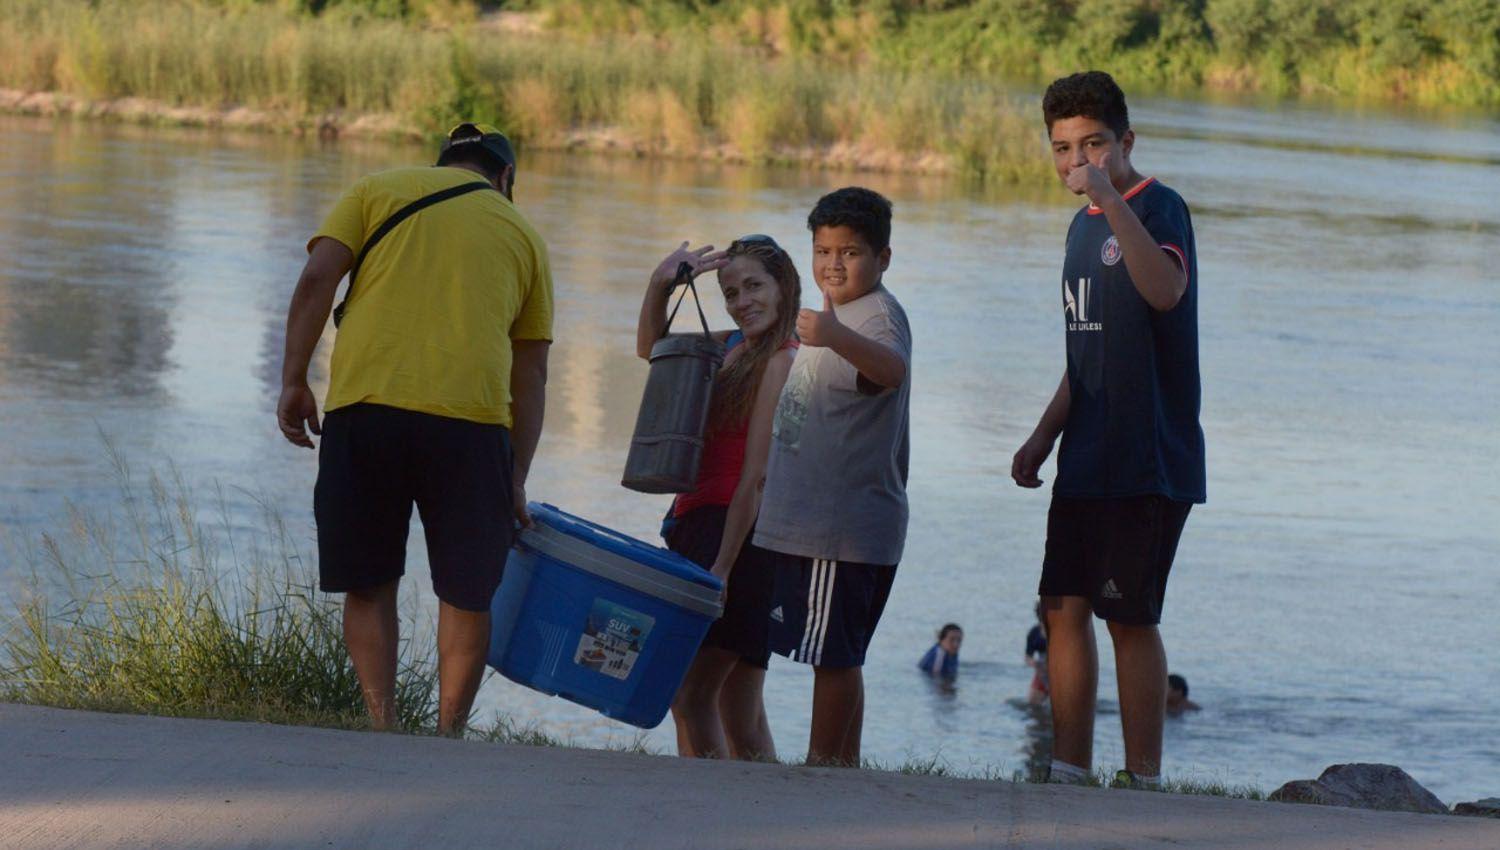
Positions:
{"x": 755, "y": 239}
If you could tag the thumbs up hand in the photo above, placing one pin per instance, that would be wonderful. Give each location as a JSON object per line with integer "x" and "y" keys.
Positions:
{"x": 1094, "y": 181}
{"x": 818, "y": 327}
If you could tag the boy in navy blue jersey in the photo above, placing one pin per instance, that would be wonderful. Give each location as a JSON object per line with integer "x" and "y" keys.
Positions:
{"x": 1131, "y": 462}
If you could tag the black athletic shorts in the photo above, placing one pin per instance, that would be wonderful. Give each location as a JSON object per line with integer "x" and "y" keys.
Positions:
{"x": 1115, "y": 552}
{"x": 375, "y": 462}
{"x": 743, "y": 628}
{"x": 824, "y": 613}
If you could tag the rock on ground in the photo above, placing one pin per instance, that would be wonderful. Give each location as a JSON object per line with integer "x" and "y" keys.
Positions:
{"x": 1489, "y": 807}
{"x": 1384, "y": 787}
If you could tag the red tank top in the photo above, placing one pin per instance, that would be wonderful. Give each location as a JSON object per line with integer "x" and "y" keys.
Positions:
{"x": 723, "y": 460}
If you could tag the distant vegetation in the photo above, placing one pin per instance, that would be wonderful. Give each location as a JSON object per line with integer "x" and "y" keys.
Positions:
{"x": 910, "y": 85}
{"x": 1429, "y": 51}
{"x": 693, "y": 100}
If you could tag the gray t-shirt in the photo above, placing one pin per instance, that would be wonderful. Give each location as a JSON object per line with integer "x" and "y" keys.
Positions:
{"x": 836, "y": 476}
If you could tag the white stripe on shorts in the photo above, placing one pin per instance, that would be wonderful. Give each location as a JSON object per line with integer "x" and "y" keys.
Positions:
{"x": 809, "y": 622}
{"x": 827, "y": 606}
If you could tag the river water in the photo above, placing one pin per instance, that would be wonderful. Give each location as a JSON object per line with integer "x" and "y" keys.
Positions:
{"x": 1334, "y": 601}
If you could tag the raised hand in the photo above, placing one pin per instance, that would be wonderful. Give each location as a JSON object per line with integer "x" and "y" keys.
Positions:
{"x": 1092, "y": 180}
{"x": 702, "y": 260}
{"x": 818, "y": 327}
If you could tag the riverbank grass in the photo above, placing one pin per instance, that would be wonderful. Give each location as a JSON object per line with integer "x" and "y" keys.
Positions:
{"x": 154, "y": 611}
{"x": 687, "y": 97}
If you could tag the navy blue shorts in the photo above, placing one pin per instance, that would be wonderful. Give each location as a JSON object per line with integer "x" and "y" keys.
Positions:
{"x": 743, "y": 628}
{"x": 824, "y": 613}
{"x": 375, "y": 462}
{"x": 1115, "y": 552}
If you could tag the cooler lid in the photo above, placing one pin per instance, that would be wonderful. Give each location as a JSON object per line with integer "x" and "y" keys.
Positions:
{"x": 614, "y": 542}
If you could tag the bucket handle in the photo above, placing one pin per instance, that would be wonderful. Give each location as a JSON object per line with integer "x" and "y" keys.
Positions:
{"x": 685, "y": 277}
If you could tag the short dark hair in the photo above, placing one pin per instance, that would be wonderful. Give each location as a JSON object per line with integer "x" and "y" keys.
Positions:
{"x": 1176, "y": 682}
{"x": 862, "y": 210}
{"x": 948, "y": 627}
{"x": 1091, "y": 94}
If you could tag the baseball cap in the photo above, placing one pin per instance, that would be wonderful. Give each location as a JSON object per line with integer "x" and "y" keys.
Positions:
{"x": 486, "y": 136}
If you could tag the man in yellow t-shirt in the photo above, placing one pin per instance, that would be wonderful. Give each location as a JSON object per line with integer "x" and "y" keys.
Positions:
{"x": 435, "y": 398}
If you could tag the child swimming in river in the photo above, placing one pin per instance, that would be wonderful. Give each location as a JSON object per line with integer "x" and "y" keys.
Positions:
{"x": 942, "y": 659}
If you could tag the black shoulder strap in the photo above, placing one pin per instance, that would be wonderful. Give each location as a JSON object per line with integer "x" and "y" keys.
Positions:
{"x": 390, "y": 224}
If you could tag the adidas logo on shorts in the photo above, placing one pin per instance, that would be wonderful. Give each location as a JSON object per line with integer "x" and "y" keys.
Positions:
{"x": 777, "y": 615}
{"x": 1109, "y": 591}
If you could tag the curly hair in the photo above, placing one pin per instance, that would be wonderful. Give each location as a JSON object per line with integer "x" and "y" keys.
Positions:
{"x": 1091, "y": 94}
{"x": 736, "y": 384}
{"x": 862, "y": 210}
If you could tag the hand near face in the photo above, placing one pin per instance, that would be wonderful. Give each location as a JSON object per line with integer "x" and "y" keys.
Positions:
{"x": 817, "y": 327}
{"x": 1092, "y": 180}
{"x": 702, "y": 260}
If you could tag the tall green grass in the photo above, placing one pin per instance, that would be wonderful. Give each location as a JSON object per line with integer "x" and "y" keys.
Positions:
{"x": 686, "y": 97}
{"x": 165, "y": 605}
{"x": 151, "y": 609}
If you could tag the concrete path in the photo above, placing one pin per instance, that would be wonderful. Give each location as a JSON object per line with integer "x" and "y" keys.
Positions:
{"x": 78, "y": 779}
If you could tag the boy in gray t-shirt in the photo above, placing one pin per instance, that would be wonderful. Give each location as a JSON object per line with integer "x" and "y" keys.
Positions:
{"x": 834, "y": 510}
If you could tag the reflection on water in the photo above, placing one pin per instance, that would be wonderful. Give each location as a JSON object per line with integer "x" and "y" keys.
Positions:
{"x": 1038, "y": 748}
{"x": 1348, "y": 324}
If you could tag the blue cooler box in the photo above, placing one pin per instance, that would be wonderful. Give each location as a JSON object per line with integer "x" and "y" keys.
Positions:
{"x": 598, "y": 618}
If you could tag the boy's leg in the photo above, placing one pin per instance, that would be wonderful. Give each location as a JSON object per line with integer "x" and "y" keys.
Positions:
{"x": 371, "y": 635}
{"x": 1143, "y": 535}
{"x": 838, "y": 701}
{"x": 1073, "y": 674}
{"x": 743, "y": 712}
{"x": 1141, "y": 665}
{"x": 851, "y": 754}
{"x": 695, "y": 709}
{"x": 825, "y": 614}
{"x": 463, "y": 642}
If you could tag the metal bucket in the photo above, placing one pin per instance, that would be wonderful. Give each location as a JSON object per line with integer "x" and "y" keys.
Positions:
{"x": 667, "y": 447}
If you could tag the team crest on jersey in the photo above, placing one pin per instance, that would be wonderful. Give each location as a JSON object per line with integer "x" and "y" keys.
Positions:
{"x": 1110, "y": 253}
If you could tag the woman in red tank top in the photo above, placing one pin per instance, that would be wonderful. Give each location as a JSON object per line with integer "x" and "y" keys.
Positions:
{"x": 718, "y": 710}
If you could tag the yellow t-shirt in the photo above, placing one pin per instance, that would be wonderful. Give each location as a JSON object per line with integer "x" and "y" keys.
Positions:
{"x": 439, "y": 299}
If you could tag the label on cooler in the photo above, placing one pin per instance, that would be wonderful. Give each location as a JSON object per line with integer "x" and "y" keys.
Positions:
{"x": 612, "y": 639}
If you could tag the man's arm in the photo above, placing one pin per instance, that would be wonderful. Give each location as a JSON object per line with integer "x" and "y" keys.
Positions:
{"x": 1033, "y": 453}
{"x": 872, "y": 358}
{"x": 297, "y": 409}
{"x": 528, "y": 394}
